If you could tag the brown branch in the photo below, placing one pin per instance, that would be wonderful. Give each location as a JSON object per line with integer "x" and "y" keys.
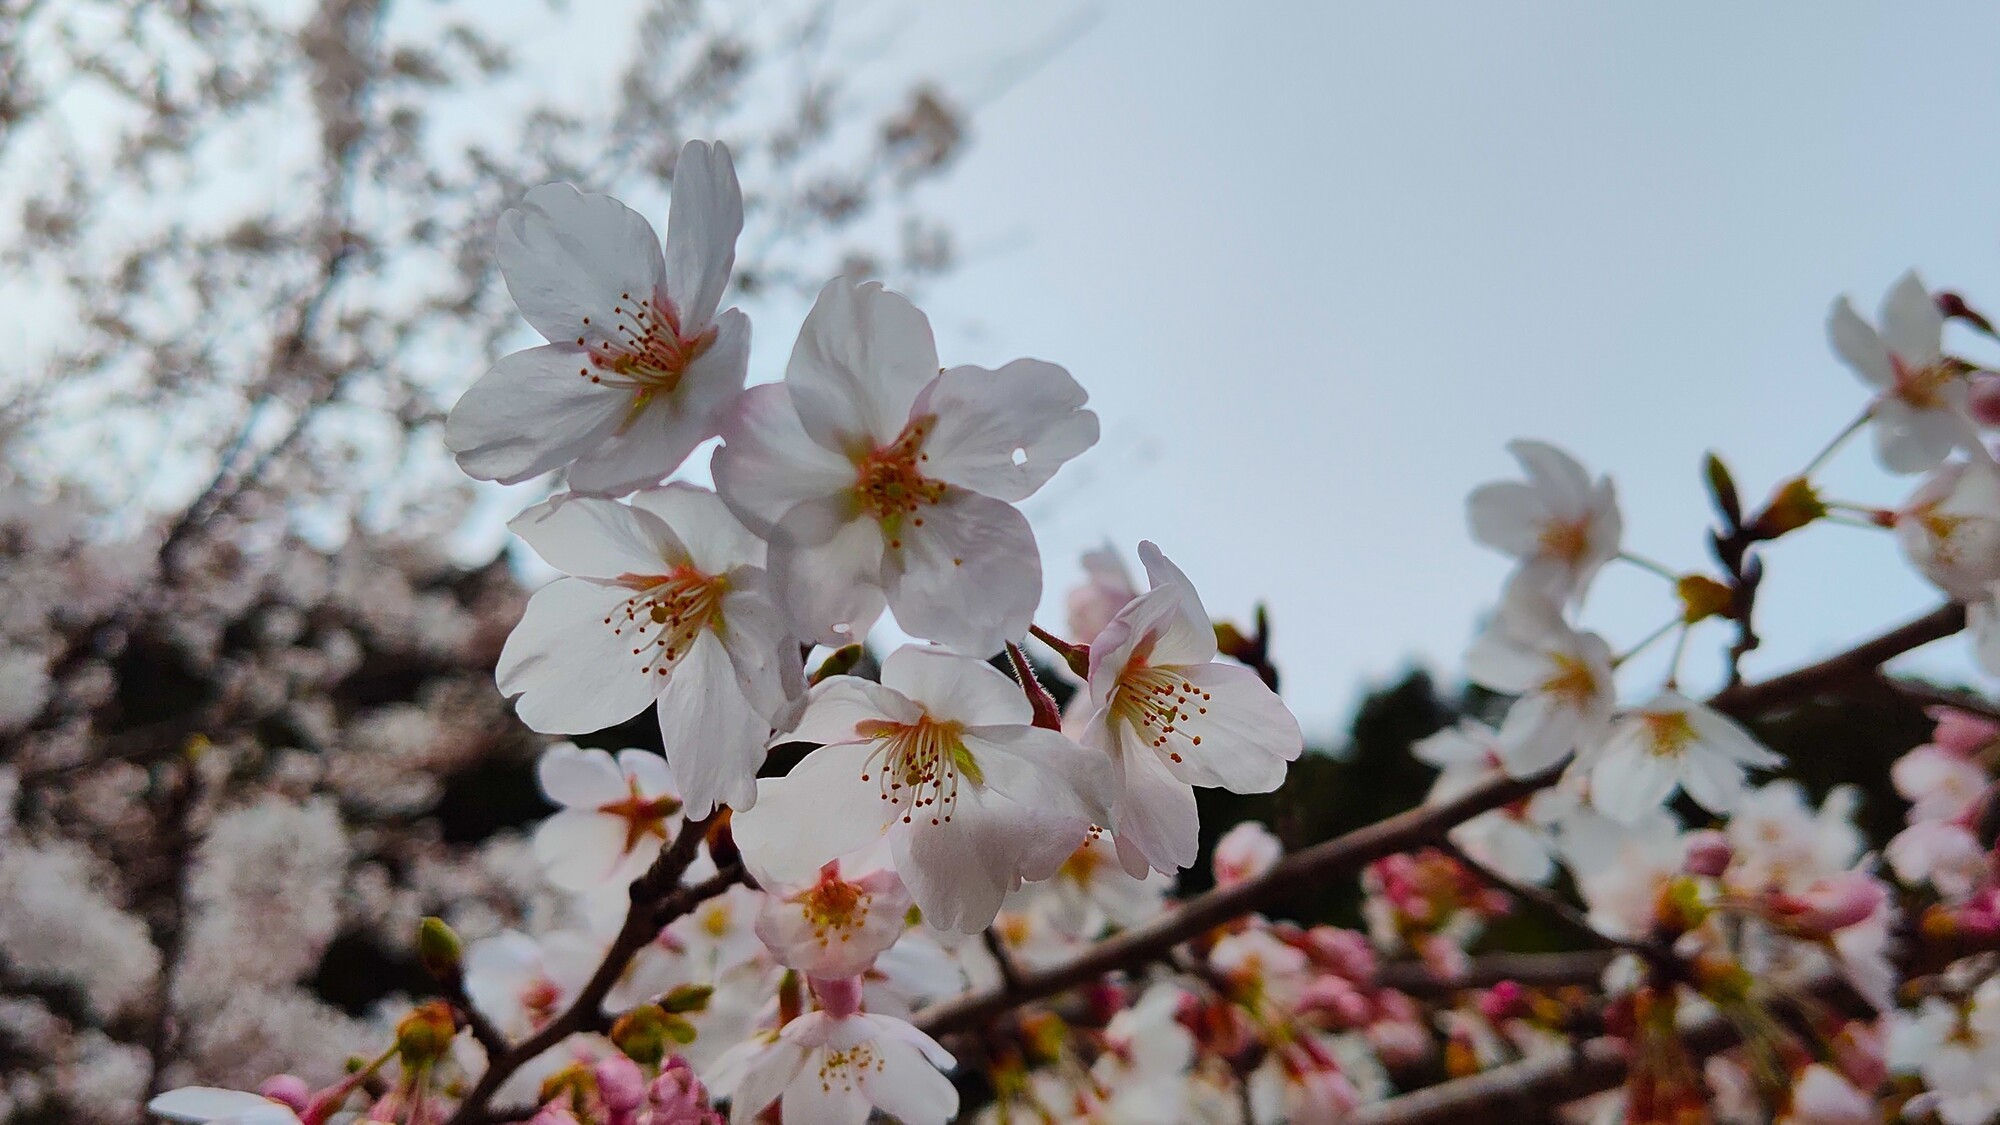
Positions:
{"x": 1533, "y": 970}
{"x": 1347, "y": 853}
{"x": 657, "y": 899}
{"x": 1943, "y": 697}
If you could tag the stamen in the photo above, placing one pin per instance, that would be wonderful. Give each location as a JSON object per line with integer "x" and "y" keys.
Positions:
{"x": 918, "y": 766}
{"x": 643, "y": 350}
{"x": 1156, "y": 701}
{"x": 665, "y": 615}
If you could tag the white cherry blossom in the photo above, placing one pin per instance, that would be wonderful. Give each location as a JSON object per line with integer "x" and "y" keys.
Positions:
{"x": 521, "y": 983}
{"x": 615, "y": 815}
{"x": 940, "y": 758}
{"x": 837, "y": 924}
{"x": 1092, "y": 890}
{"x": 666, "y": 601}
{"x": 836, "y": 1067}
{"x": 1560, "y": 524}
{"x": 1920, "y": 413}
{"x": 638, "y": 361}
{"x": 881, "y": 481}
{"x": 1674, "y": 743}
{"x": 1563, "y": 678}
{"x": 1170, "y": 718}
{"x": 1518, "y": 840}
{"x": 1950, "y": 528}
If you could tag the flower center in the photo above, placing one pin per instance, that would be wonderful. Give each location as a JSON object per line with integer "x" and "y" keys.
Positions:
{"x": 845, "y": 1067}
{"x": 918, "y": 765}
{"x": 666, "y": 614}
{"x": 1565, "y": 540}
{"x": 889, "y": 483}
{"x": 834, "y": 905}
{"x": 1572, "y": 682}
{"x": 1082, "y": 865}
{"x": 643, "y": 350}
{"x": 1668, "y": 732}
{"x": 1923, "y": 387}
{"x": 1158, "y": 702}
{"x": 644, "y": 816}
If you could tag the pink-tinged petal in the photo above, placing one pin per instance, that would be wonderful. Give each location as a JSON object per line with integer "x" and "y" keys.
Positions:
{"x": 530, "y": 414}
{"x": 1154, "y": 811}
{"x": 1043, "y": 770}
{"x": 1247, "y": 733}
{"x": 208, "y": 1103}
{"x": 955, "y": 688}
{"x": 831, "y": 588}
{"x": 1859, "y": 346}
{"x": 591, "y": 537}
{"x": 957, "y": 870}
{"x": 579, "y": 778}
{"x": 767, "y": 466}
{"x": 654, "y": 442}
{"x": 822, "y": 810}
{"x": 863, "y": 356}
{"x": 1005, "y": 433}
{"x": 836, "y": 707}
{"x": 1506, "y": 516}
{"x": 1912, "y": 326}
{"x": 1187, "y": 637}
{"x": 713, "y": 736}
{"x": 574, "y": 674}
{"x": 970, "y": 577}
{"x": 704, "y": 218}
{"x": 567, "y": 255}
{"x": 1627, "y": 784}
{"x": 579, "y": 850}
{"x": 769, "y": 670}
{"x": 908, "y": 1088}
{"x": 713, "y": 538}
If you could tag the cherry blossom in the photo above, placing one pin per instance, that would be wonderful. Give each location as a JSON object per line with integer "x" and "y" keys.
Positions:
{"x": 521, "y": 982}
{"x": 1518, "y": 840}
{"x": 1673, "y": 742}
{"x": 1170, "y": 718}
{"x": 939, "y": 757}
{"x": 1560, "y": 525}
{"x": 1106, "y": 587}
{"x": 1245, "y": 852}
{"x": 1956, "y": 1050}
{"x": 638, "y": 361}
{"x": 616, "y": 814}
{"x": 880, "y": 480}
{"x": 1920, "y": 414}
{"x": 837, "y": 1066}
{"x": 664, "y": 601}
{"x": 1563, "y": 677}
{"x": 836, "y": 925}
{"x": 1092, "y": 890}
{"x": 1950, "y": 528}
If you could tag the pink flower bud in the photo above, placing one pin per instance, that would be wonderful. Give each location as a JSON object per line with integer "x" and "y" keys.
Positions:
{"x": 1245, "y": 852}
{"x": 1346, "y": 952}
{"x": 840, "y": 996}
{"x": 1400, "y": 1042}
{"x": 1963, "y": 732}
{"x": 555, "y": 1113}
{"x": 1504, "y": 1001}
{"x": 678, "y": 1098}
{"x": 1830, "y": 904}
{"x": 620, "y": 1083}
{"x": 287, "y": 1090}
{"x": 1337, "y": 998}
{"x": 1982, "y": 398}
{"x": 1708, "y": 853}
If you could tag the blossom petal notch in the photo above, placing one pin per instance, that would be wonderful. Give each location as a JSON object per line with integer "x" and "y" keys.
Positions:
{"x": 1169, "y": 718}
{"x": 638, "y": 361}
{"x": 1920, "y": 412}
{"x": 882, "y": 482}
{"x": 665, "y": 599}
{"x": 940, "y": 758}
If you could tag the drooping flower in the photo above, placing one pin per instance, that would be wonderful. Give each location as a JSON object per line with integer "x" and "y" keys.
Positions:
{"x": 1674, "y": 742}
{"x": 940, "y": 757}
{"x": 1562, "y": 676}
{"x": 1920, "y": 413}
{"x": 1950, "y": 528}
{"x": 837, "y": 1066}
{"x": 1560, "y": 525}
{"x": 615, "y": 816}
{"x": 1170, "y": 718}
{"x": 665, "y": 600}
{"x": 637, "y": 361}
{"x": 881, "y": 481}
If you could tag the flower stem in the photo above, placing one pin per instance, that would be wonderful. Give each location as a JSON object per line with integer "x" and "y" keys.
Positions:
{"x": 1834, "y": 445}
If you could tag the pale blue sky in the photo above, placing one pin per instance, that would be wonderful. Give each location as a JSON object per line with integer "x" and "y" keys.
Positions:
{"x": 1318, "y": 263}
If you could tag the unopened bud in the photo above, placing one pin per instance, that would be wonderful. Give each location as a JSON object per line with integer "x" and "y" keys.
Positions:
{"x": 425, "y": 1034}
{"x": 688, "y": 998}
{"x": 641, "y": 1034}
{"x": 573, "y": 1085}
{"x": 288, "y": 1090}
{"x": 1702, "y": 597}
{"x": 620, "y": 1083}
{"x": 439, "y": 949}
{"x": 1708, "y": 853}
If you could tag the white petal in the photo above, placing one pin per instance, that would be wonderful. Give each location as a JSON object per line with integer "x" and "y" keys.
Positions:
{"x": 1725, "y": 736}
{"x": 1247, "y": 733}
{"x": 767, "y": 465}
{"x": 862, "y": 357}
{"x": 532, "y": 413}
{"x": 1005, "y": 433}
{"x": 580, "y": 778}
{"x": 837, "y": 706}
{"x": 1912, "y": 326}
{"x": 958, "y": 871}
{"x": 891, "y": 1029}
{"x": 650, "y": 772}
{"x": 908, "y": 1088}
{"x": 1537, "y": 731}
{"x": 1713, "y": 781}
{"x": 1917, "y": 441}
{"x": 765, "y": 1076}
{"x": 208, "y": 1103}
{"x": 704, "y": 218}
{"x": 1859, "y": 345}
{"x": 768, "y": 667}
{"x": 591, "y": 537}
{"x": 810, "y": 1100}
{"x": 1562, "y": 484}
{"x": 953, "y": 687}
{"x": 713, "y": 736}
{"x": 1154, "y": 811}
{"x": 831, "y": 590}
{"x": 579, "y": 850}
{"x": 1629, "y": 783}
{"x": 651, "y": 445}
{"x": 1506, "y": 516}
{"x": 567, "y": 255}
{"x": 1189, "y": 636}
{"x": 713, "y": 538}
{"x": 822, "y": 810}
{"x": 970, "y": 577}
{"x": 573, "y": 673}
{"x": 1043, "y": 770}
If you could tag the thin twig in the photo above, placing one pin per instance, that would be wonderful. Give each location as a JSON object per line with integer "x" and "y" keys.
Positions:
{"x": 1533, "y": 970}
{"x": 1010, "y": 977}
{"x": 1551, "y": 904}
